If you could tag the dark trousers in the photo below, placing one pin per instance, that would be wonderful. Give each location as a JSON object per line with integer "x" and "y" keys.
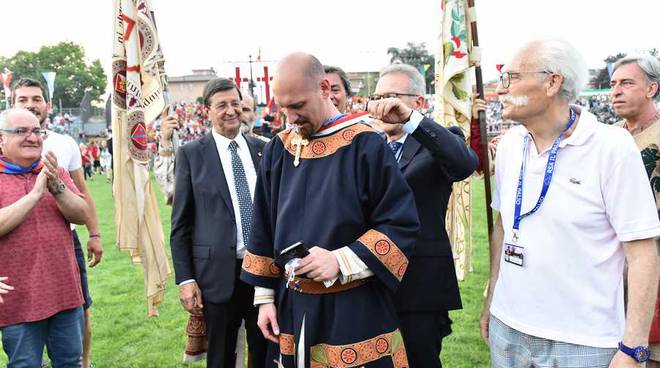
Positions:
{"x": 222, "y": 323}
{"x": 422, "y": 336}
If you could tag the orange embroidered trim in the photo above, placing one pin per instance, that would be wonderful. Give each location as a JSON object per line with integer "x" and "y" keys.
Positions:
{"x": 386, "y": 251}
{"x": 287, "y": 344}
{"x": 260, "y": 265}
{"x": 323, "y": 146}
{"x": 360, "y": 353}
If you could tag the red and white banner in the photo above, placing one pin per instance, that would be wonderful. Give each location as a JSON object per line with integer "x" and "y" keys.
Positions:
{"x": 138, "y": 83}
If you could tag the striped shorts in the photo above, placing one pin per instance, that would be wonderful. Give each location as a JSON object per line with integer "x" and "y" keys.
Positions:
{"x": 510, "y": 348}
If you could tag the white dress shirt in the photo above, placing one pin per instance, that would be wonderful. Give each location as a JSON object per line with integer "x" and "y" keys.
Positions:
{"x": 222, "y": 144}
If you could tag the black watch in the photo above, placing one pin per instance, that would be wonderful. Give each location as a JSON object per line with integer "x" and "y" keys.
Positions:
{"x": 59, "y": 189}
{"x": 639, "y": 353}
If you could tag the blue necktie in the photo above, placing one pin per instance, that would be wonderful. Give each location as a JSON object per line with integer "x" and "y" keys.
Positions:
{"x": 395, "y": 146}
{"x": 242, "y": 191}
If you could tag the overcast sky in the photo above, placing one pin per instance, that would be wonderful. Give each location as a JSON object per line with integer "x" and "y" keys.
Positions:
{"x": 352, "y": 34}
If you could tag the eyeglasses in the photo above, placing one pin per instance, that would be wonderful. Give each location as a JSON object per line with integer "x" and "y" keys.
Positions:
{"x": 25, "y": 132}
{"x": 376, "y": 97}
{"x": 505, "y": 78}
{"x": 223, "y": 106}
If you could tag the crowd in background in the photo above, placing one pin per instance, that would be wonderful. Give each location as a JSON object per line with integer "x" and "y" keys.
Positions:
{"x": 601, "y": 106}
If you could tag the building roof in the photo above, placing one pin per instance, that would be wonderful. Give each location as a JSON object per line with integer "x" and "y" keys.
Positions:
{"x": 191, "y": 78}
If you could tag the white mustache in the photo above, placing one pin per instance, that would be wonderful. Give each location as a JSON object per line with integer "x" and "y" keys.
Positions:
{"x": 517, "y": 101}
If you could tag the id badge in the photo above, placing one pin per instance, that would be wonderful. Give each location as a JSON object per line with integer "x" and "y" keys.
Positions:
{"x": 514, "y": 254}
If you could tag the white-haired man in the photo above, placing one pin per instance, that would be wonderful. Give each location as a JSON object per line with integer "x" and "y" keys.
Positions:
{"x": 635, "y": 83}
{"x": 557, "y": 251}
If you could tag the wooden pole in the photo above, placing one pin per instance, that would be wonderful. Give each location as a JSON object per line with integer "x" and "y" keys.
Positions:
{"x": 482, "y": 127}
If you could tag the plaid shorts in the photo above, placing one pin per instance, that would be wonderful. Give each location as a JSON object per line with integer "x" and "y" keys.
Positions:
{"x": 510, "y": 348}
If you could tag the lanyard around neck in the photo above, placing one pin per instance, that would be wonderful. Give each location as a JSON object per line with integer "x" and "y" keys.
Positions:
{"x": 549, "y": 170}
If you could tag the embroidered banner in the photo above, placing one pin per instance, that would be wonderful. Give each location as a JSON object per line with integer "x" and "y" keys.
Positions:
{"x": 453, "y": 107}
{"x": 138, "y": 84}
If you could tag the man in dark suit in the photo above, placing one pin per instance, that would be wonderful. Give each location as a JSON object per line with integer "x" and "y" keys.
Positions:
{"x": 431, "y": 159}
{"x": 211, "y": 219}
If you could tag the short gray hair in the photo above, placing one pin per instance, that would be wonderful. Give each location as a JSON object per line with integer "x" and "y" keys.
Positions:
{"x": 560, "y": 57}
{"x": 5, "y": 116}
{"x": 650, "y": 67}
{"x": 417, "y": 82}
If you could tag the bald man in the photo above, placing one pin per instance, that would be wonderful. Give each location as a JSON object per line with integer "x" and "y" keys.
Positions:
{"x": 38, "y": 201}
{"x": 332, "y": 187}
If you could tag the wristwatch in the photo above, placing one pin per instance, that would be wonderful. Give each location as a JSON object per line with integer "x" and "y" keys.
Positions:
{"x": 639, "y": 353}
{"x": 59, "y": 189}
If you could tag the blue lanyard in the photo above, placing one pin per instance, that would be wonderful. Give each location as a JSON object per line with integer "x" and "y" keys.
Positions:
{"x": 549, "y": 170}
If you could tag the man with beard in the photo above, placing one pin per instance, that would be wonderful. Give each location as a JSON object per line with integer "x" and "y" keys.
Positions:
{"x": 249, "y": 117}
{"x": 555, "y": 295}
{"x": 330, "y": 188}
{"x": 31, "y": 95}
{"x": 340, "y": 87}
{"x": 635, "y": 81}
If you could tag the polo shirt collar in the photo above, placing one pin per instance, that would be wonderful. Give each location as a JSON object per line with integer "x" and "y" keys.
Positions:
{"x": 586, "y": 127}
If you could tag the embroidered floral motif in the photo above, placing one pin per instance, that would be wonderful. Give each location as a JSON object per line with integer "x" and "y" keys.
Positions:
{"x": 348, "y": 134}
{"x": 287, "y": 344}
{"x": 323, "y": 146}
{"x": 260, "y": 265}
{"x": 318, "y": 148}
{"x": 386, "y": 251}
{"x": 361, "y": 353}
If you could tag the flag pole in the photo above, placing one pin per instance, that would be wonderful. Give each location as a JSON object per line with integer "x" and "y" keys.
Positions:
{"x": 482, "y": 123}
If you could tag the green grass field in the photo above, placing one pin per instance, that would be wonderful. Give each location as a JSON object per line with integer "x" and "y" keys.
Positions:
{"x": 124, "y": 337}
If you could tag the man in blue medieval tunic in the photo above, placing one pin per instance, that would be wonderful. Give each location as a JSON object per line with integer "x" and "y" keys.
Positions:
{"x": 331, "y": 183}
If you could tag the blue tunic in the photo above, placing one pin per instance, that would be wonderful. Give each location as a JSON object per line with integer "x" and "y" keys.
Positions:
{"x": 347, "y": 191}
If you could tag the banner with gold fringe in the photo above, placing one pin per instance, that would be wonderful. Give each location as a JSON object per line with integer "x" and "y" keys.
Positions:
{"x": 138, "y": 83}
{"x": 453, "y": 107}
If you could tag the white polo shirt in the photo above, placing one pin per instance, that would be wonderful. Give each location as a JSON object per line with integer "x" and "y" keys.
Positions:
{"x": 66, "y": 151}
{"x": 571, "y": 286}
